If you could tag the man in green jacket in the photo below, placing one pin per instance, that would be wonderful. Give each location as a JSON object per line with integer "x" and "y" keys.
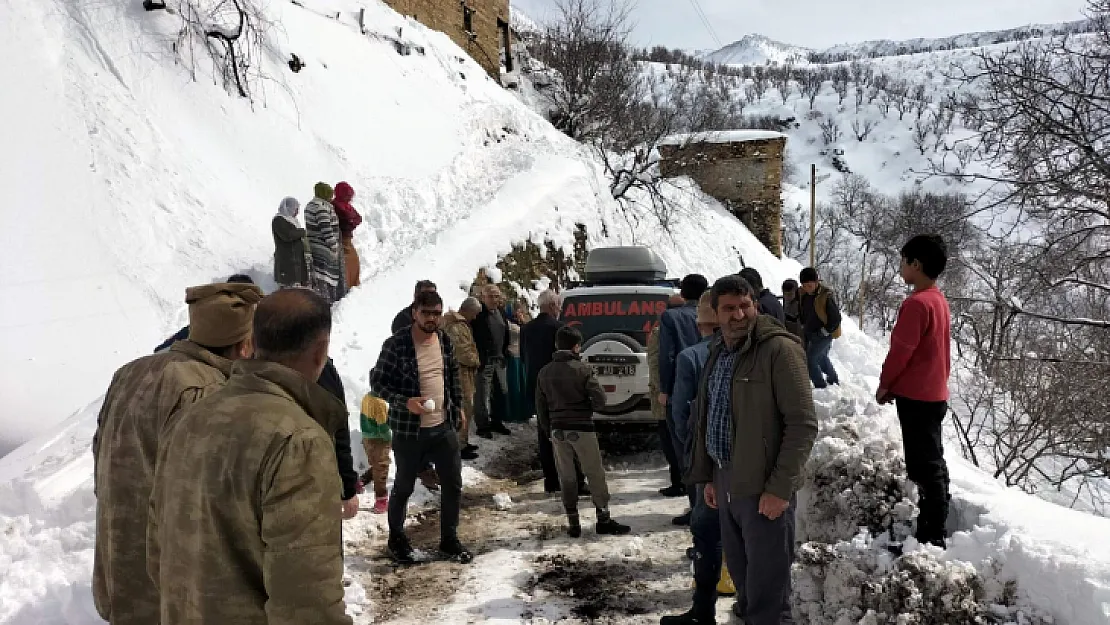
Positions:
{"x": 755, "y": 426}
{"x": 144, "y": 397}
{"x": 244, "y": 525}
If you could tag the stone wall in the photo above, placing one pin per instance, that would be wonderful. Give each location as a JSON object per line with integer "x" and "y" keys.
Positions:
{"x": 447, "y": 16}
{"x": 745, "y": 176}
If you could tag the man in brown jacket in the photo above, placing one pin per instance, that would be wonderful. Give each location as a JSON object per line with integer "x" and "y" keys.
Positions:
{"x": 244, "y": 524}
{"x": 755, "y": 426}
{"x": 457, "y": 327}
{"x": 144, "y": 396}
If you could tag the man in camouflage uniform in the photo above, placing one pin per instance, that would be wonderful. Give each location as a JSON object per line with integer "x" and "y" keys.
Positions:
{"x": 457, "y": 327}
{"x": 244, "y": 523}
{"x": 145, "y": 395}
{"x": 658, "y": 411}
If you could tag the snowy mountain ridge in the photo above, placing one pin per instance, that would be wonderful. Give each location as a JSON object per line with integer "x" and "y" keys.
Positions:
{"x": 756, "y": 49}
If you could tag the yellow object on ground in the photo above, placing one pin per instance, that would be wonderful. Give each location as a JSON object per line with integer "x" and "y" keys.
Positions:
{"x": 725, "y": 586}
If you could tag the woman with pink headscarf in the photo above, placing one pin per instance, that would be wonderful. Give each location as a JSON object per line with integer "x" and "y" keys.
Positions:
{"x": 349, "y": 219}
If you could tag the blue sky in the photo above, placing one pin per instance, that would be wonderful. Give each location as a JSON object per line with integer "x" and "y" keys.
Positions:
{"x": 822, "y": 23}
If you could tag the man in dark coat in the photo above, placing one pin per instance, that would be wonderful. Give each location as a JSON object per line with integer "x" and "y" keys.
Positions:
{"x": 491, "y": 335}
{"x": 768, "y": 304}
{"x": 329, "y": 379}
{"x": 537, "y": 348}
{"x": 678, "y": 329}
{"x": 404, "y": 318}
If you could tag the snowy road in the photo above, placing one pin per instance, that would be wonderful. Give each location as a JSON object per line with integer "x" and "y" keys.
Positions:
{"x": 527, "y": 570}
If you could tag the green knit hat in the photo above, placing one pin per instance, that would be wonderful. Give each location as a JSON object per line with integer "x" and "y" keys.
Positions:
{"x": 323, "y": 191}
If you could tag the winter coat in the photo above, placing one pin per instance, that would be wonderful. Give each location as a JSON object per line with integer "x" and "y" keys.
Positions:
{"x": 396, "y": 379}
{"x": 678, "y": 330}
{"x": 323, "y": 238}
{"x": 658, "y": 410}
{"x": 349, "y": 219}
{"x": 792, "y": 310}
{"x": 374, "y": 419}
{"x": 245, "y": 519}
{"x": 292, "y": 253}
{"x": 331, "y": 382}
{"x": 537, "y": 348}
{"x": 920, "y": 360}
{"x": 144, "y": 396}
{"x": 458, "y": 330}
{"x": 820, "y": 313}
{"x": 568, "y": 394}
{"x": 774, "y": 423}
{"x": 688, "y": 369}
{"x": 769, "y": 305}
{"x": 485, "y": 325}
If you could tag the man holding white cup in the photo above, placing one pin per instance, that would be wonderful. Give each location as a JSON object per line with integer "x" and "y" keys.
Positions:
{"x": 418, "y": 376}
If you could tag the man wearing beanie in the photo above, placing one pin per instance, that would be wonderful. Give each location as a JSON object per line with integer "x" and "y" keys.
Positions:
{"x": 244, "y": 520}
{"x": 145, "y": 396}
{"x": 322, "y": 224}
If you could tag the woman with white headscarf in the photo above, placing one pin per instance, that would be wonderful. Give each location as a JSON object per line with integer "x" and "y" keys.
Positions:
{"x": 292, "y": 255}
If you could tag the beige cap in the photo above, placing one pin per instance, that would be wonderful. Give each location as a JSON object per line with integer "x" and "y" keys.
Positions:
{"x": 221, "y": 314}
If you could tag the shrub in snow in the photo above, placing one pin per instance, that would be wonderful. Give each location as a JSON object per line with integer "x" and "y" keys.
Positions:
{"x": 857, "y": 583}
{"x": 855, "y": 483}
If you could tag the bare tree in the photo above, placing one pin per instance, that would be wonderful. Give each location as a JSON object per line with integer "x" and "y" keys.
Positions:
{"x": 921, "y": 133}
{"x": 861, "y": 93}
{"x": 231, "y": 34}
{"x": 780, "y": 78}
{"x": 1042, "y": 116}
{"x": 607, "y": 101}
{"x": 862, "y": 126}
{"x": 899, "y": 91}
{"x": 760, "y": 82}
{"x": 830, "y": 130}
{"x": 810, "y": 82}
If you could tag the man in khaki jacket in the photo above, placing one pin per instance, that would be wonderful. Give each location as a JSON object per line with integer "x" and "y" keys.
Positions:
{"x": 145, "y": 395}
{"x": 457, "y": 327}
{"x": 754, "y": 428}
{"x": 244, "y": 525}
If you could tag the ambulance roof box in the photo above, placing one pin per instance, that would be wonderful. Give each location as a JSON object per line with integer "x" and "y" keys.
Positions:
{"x": 625, "y": 265}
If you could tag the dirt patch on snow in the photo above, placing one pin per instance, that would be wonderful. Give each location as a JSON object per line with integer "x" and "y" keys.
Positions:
{"x": 594, "y": 589}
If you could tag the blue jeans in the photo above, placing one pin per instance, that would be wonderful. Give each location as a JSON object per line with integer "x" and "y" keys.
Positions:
{"x": 817, "y": 360}
{"x": 705, "y": 525}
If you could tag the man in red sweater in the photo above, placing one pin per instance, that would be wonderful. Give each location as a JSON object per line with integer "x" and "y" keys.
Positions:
{"x": 915, "y": 377}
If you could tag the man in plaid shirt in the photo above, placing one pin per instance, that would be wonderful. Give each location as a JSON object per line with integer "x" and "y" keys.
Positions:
{"x": 418, "y": 376}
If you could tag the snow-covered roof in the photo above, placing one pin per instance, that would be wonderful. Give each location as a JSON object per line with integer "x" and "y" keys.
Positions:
{"x": 721, "y": 136}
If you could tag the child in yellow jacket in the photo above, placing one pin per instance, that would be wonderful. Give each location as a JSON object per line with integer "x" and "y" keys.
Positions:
{"x": 376, "y": 441}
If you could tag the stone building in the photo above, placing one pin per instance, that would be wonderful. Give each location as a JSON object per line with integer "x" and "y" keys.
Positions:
{"x": 741, "y": 168}
{"x": 480, "y": 27}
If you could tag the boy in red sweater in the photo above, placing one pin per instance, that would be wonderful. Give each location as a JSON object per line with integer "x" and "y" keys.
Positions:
{"x": 915, "y": 377}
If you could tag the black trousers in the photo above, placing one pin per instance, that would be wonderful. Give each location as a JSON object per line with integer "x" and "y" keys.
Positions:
{"x": 670, "y": 451}
{"x": 440, "y": 447}
{"x": 924, "y": 448}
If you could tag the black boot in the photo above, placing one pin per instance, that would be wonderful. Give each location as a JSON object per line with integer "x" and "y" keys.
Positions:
{"x": 674, "y": 490}
{"x": 682, "y": 520}
{"x": 452, "y": 548}
{"x": 401, "y": 550}
{"x": 688, "y": 618}
{"x": 606, "y": 525}
{"x": 574, "y": 525}
{"x": 499, "y": 428}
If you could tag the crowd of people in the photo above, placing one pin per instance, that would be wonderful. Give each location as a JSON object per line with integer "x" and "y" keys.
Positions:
{"x": 223, "y": 464}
